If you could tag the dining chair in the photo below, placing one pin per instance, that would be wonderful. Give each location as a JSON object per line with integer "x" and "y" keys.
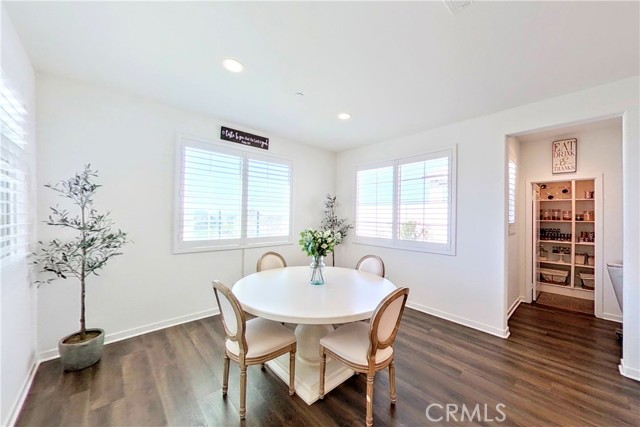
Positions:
{"x": 252, "y": 342}
{"x": 270, "y": 260}
{"x": 367, "y": 348}
{"x": 372, "y": 264}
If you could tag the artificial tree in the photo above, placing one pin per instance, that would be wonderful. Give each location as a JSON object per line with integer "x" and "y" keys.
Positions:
{"x": 92, "y": 243}
{"x": 331, "y": 221}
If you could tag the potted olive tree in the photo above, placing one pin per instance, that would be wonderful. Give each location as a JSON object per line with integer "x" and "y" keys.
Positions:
{"x": 89, "y": 242}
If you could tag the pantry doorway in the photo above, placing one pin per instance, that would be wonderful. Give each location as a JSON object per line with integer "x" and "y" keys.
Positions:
{"x": 565, "y": 253}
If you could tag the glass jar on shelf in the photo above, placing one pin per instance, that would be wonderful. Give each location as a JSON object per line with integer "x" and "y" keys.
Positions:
{"x": 543, "y": 254}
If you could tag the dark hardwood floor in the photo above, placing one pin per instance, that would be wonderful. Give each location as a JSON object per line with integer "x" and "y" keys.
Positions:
{"x": 556, "y": 369}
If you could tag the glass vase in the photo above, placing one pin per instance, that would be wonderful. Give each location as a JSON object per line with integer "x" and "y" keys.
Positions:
{"x": 317, "y": 270}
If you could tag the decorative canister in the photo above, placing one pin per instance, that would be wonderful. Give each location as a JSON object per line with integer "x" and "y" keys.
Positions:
{"x": 566, "y": 215}
{"x": 555, "y": 214}
{"x": 546, "y": 214}
{"x": 589, "y": 216}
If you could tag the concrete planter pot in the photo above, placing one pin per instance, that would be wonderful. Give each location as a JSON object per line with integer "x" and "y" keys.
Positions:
{"x": 76, "y": 356}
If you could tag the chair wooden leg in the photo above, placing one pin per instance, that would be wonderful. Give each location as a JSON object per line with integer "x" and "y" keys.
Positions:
{"x": 392, "y": 382}
{"x": 225, "y": 379}
{"x": 369, "y": 418}
{"x": 292, "y": 373}
{"x": 323, "y": 368}
{"x": 243, "y": 392}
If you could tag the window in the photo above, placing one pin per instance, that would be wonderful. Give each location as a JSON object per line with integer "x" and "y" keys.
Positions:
{"x": 14, "y": 165}
{"x": 230, "y": 198}
{"x": 513, "y": 176}
{"x": 408, "y": 203}
{"x": 374, "y": 216}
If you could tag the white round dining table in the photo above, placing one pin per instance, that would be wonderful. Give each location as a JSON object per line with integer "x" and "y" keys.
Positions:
{"x": 285, "y": 295}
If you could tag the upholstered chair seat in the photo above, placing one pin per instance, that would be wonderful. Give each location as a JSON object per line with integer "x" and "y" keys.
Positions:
{"x": 367, "y": 347}
{"x": 263, "y": 337}
{"x": 252, "y": 342}
{"x": 351, "y": 342}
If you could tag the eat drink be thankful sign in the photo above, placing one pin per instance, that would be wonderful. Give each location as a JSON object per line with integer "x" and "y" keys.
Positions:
{"x": 564, "y": 154}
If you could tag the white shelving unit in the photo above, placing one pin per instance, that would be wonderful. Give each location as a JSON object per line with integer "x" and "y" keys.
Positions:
{"x": 565, "y": 223}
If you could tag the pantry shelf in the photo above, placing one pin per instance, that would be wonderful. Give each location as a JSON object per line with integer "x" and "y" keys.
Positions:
{"x": 566, "y": 263}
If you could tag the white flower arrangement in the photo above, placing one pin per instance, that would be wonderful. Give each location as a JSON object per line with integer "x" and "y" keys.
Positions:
{"x": 317, "y": 243}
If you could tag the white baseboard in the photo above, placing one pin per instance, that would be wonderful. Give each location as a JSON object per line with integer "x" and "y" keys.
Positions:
{"x": 502, "y": 333}
{"x": 22, "y": 396}
{"x": 612, "y": 317}
{"x": 514, "y": 306}
{"x": 629, "y": 372}
{"x": 134, "y": 332}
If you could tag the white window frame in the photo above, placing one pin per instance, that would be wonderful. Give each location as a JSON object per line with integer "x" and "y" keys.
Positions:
{"x": 181, "y": 246}
{"x": 438, "y": 248}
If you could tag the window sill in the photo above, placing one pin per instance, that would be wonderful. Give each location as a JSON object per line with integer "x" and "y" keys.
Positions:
{"x": 449, "y": 252}
{"x": 180, "y": 251}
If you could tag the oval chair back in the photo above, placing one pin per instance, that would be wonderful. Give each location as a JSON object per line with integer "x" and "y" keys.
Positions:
{"x": 385, "y": 322}
{"x": 372, "y": 264}
{"x": 233, "y": 318}
{"x": 268, "y": 340}
{"x": 270, "y": 260}
{"x": 346, "y": 345}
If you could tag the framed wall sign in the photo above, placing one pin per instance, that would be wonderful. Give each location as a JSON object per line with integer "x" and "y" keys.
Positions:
{"x": 563, "y": 156}
{"x": 244, "y": 138}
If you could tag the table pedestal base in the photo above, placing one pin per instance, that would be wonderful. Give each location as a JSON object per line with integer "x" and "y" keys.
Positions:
{"x": 308, "y": 376}
{"x": 308, "y": 342}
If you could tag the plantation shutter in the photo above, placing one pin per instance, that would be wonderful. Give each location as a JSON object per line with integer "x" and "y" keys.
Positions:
{"x": 423, "y": 200}
{"x": 408, "y": 203}
{"x": 374, "y": 202}
{"x": 211, "y": 195}
{"x": 268, "y": 199}
{"x": 513, "y": 175}
{"x": 14, "y": 166}
{"x": 230, "y": 198}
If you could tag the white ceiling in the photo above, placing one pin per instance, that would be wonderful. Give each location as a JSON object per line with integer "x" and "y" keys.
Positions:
{"x": 399, "y": 68}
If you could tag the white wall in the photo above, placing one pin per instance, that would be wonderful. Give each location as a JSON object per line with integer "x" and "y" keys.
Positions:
{"x": 469, "y": 288}
{"x": 599, "y": 156}
{"x": 514, "y": 288}
{"x": 131, "y": 142}
{"x": 17, "y": 308}
{"x": 630, "y": 365}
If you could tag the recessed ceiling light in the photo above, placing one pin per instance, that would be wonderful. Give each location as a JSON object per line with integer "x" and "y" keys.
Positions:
{"x": 233, "y": 65}
{"x": 344, "y": 116}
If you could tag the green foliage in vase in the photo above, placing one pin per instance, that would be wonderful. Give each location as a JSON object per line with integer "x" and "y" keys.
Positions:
{"x": 317, "y": 243}
{"x": 92, "y": 241}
